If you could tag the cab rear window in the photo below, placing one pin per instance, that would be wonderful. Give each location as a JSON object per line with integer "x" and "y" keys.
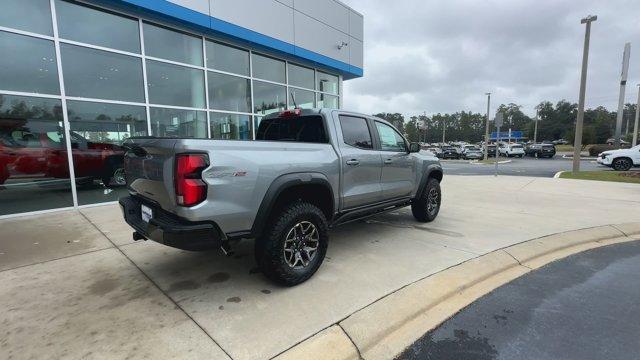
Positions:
{"x": 309, "y": 129}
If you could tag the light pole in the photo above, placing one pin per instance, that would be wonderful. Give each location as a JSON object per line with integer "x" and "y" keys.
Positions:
{"x": 635, "y": 123}
{"x": 623, "y": 83}
{"x": 535, "y": 128}
{"x": 577, "y": 143}
{"x": 424, "y": 124}
{"x": 486, "y": 128}
{"x": 443, "y": 131}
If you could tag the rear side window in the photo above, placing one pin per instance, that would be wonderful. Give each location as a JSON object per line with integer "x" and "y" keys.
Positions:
{"x": 309, "y": 129}
{"x": 355, "y": 132}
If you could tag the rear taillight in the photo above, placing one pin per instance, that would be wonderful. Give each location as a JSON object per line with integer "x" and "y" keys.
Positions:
{"x": 190, "y": 188}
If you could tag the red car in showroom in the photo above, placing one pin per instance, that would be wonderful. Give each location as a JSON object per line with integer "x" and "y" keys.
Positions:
{"x": 36, "y": 149}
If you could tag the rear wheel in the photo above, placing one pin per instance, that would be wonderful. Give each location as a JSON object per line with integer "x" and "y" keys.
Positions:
{"x": 426, "y": 206}
{"x": 294, "y": 244}
{"x": 621, "y": 164}
{"x": 116, "y": 178}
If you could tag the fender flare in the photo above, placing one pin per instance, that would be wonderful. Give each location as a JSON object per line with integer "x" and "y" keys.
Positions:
{"x": 278, "y": 186}
{"x": 426, "y": 175}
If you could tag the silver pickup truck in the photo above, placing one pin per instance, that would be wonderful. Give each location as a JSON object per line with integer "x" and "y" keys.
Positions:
{"x": 307, "y": 171}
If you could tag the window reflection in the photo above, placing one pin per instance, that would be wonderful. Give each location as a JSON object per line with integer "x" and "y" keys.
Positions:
{"x": 227, "y": 58}
{"x": 172, "y": 45}
{"x": 97, "y": 133}
{"x": 327, "y": 83}
{"x": 178, "y": 123}
{"x": 175, "y": 85}
{"x": 327, "y": 101}
{"x": 28, "y": 64}
{"x": 230, "y": 126}
{"x": 88, "y": 25}
{"x": 34, "y": 171}
{"x": 268, "y": 68}
{"x": 32, "y": 15}
{"x": 301, "y": 76}
{"x": 228, "y": 92}
{"x": 101, "y": 74}
{"x": 268, "y": 98}
{"x": 302, "y": 98}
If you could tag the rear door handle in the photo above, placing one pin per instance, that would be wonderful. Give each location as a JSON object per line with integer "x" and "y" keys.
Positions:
{"x": 353, "y": 162}
{"x": 388, "y": 161}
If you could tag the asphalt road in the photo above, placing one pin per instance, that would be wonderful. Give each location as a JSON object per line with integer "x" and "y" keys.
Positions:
{"x": 582, "y": 307}
{"x": 520, "y": 167}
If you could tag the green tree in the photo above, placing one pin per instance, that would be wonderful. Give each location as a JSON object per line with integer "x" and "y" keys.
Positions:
{"x": 396, "y": 119}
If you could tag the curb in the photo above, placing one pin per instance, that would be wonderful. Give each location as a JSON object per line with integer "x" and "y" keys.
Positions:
{"x": 581, "y": 157}
{"x": 557, "y": 175}
{"x": 499, "y": 162}
{"x": 383, "y": 329}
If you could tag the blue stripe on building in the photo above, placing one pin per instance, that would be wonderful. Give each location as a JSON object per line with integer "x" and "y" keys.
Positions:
{"x": 206, "y": 23}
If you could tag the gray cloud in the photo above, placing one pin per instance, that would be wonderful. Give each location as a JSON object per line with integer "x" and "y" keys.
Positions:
{"x": 442, "y": 56}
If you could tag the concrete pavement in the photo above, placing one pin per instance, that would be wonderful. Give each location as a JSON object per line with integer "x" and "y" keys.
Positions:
{"x": 223, "y": 306}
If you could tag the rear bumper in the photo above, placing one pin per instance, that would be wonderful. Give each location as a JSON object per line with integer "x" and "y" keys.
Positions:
{"x": 169, "y": 229}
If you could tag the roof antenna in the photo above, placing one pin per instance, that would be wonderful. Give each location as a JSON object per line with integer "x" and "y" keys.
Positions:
{"x": 293, "y": 98}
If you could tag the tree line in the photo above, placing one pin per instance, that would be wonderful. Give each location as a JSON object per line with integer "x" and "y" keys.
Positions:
{"x": 556, "y": 121}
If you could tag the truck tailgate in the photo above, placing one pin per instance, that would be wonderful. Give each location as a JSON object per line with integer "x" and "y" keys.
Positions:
{"x": 149, "y": 167}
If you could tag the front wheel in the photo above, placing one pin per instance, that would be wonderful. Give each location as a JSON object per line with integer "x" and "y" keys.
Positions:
{"x": 621, "y": 164}
{"x": 426, "y": 206}
{"x": 294, "y": 244}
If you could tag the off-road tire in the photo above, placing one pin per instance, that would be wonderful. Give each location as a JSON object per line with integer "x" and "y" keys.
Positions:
{"x": 420, "y": 205}
{"x": 621, "y": 164}
{"x": 269, "y": 248}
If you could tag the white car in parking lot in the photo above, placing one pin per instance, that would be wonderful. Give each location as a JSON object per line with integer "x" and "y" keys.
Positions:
{"x": 510, "y": 150}
{"x": 621, "y": 159}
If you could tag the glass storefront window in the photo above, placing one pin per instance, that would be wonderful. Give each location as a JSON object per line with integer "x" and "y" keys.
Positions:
{"x": 28, "y": 64}
{"x": 228, "y": 92}
{"x": 327, "y": 101}
{"x": 327, "y": 83}
{"x": 101, "y": 74}
{"x": 175, "y": 85}
{"x": 97, "y": 133}
{"x": 301, "y": 76}
{"x": 227, "y": 58}
{"x": 88, "y": 25}
{"x": 303, "y": 99}
{"x": 178, "y": 123}
{"x": 172, "y": 45}
{"x": 268, "y": 98}
{"x": 30, "y": 15}
{"x": 267, "y": 68}
{"x": 34, "y": 171}
{"x": 230, "y": 126}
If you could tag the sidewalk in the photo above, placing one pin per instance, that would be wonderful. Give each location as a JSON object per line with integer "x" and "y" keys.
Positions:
{"x": 75, "y": 285}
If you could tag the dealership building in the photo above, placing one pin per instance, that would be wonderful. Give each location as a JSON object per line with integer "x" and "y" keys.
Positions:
{"x": 77, "y": 78}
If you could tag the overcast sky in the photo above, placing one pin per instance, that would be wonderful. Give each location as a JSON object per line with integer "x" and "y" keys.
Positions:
{"x": 443, "y": 55}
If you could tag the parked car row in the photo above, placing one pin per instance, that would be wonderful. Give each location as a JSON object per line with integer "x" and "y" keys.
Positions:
{"x": 476, "y": 152}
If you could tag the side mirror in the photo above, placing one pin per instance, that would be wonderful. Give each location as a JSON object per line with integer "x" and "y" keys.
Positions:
{"x": 414, "y": 147}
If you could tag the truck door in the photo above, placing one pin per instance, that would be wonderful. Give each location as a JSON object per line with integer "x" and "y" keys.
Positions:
{"x": 398, "y": 166}
{"x": 361, "y": 164}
